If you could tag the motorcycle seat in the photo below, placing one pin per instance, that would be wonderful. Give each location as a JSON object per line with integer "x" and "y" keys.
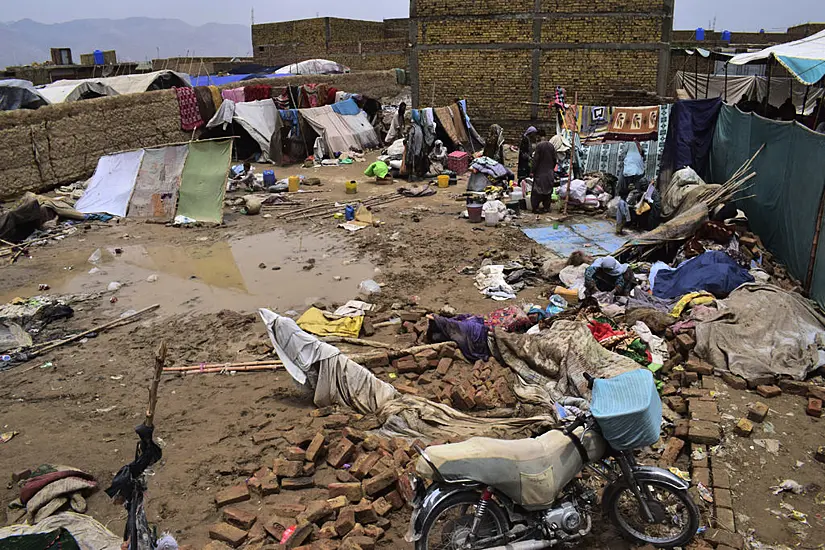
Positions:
{"x": 531, "y": 472}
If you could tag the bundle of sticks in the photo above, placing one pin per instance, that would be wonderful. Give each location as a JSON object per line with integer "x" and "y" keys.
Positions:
{"x": 327, "y": 208}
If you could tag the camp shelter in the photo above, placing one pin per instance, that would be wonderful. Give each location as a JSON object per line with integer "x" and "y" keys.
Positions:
{"x": 343, "y": 126}
{"x": 292, "y": 139}
{"x": 313, "y": 66}
{"x": 203, "y": 183}
{"x": 135, "y": 83}
{"x": 453, "y": 127}
{"x": 804, "y": 59}
{"x": 253, "y": 123}
{"x": 20, "y": 94}
{"x": 155, "y": 195}
{"x": 76, "y": 90}
{"x": 110, "y": 188}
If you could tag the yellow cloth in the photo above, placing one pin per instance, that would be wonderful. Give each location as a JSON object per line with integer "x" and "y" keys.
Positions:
{"x": 316, "y": 322}
{"x": 217, "y": 99}
{"x": 692, "y": 299}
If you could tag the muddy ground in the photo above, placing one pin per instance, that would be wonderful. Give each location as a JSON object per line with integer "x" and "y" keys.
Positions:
{"x": 82, "y": 409}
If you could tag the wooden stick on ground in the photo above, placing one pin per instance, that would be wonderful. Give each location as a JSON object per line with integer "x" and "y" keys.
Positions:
{"x": 223, "y": 365}
{"x": 98, "y": 328}
{"x": 356, "y": 342}
{"x": 160, "y": 363}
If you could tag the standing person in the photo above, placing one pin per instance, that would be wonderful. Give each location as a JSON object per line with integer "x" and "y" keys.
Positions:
{"x": 396, "y": 130}
{"x": 525, "y": 153}
{"x": 494, "y": 146}
{"x": 544, "y": 174}
{"x": 787, "y": 111}
{"x": 633, "y": 171}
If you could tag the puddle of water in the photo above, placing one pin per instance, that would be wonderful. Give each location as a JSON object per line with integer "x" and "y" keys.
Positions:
{"x": 211, "y": 276}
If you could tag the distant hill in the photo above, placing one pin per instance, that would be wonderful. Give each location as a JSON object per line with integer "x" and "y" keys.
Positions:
{"x": 135, "y": 39}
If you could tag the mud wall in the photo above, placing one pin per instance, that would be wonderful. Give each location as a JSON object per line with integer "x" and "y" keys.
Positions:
{"x": 61, "y": 144}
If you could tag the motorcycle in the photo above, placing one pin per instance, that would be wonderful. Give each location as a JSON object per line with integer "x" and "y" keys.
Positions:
{"x": 531, "y": 494}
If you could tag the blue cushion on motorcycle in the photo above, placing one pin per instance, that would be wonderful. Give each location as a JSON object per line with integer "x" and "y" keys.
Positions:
{"x": 628, "y": 409}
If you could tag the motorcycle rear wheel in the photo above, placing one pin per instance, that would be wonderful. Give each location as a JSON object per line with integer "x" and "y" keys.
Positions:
{"x": 450, "y": 521}
{"x": 678, "y": 511}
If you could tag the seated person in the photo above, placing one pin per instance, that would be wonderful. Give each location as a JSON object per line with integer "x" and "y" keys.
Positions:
{"x": 608, "y": 275}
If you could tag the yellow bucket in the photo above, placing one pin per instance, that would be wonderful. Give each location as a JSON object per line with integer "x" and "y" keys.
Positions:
{"x": 443, "y": 181}
{"x": 294, "y": 182}
{"x": 352, "y": 187}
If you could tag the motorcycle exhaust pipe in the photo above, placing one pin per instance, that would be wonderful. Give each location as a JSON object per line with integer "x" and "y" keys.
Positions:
{"x": 525, "y": 545}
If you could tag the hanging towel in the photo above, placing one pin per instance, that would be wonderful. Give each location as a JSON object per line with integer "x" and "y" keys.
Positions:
{"x": 217, "y": 99}
{"x": 235, "y": 94}
{"x": 190, "y": 116}
{"x": 257, "y": 93}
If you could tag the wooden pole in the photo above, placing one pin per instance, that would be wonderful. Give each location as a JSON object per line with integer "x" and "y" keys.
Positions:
{"x": 160, "y": 362}
{"x": 815, "y": 245}
{"x": 726, "y": 82}
{"x": 572, "y": 150}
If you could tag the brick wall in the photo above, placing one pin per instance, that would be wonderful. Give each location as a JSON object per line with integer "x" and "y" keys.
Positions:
{"x": 503, "y": 55}
{"x": 361, "y": 45}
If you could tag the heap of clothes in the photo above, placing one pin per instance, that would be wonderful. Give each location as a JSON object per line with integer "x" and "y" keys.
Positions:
{"x": 49, "y": 489}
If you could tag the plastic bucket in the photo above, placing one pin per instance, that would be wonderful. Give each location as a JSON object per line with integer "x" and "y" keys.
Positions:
{"x": 515, "y": 206}
{"x": 474, "y": 212}
{"x": 294, "y": 183}
{"x": 491, "y": 219}
{"x": 443, "y": 181}
{"x": 352, "y": 187}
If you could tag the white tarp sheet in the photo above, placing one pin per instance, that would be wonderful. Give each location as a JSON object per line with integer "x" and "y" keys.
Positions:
{"x": 75, "y": 91}
{"x": 258, "y": 119}
{"x": 110, "y": 188}
{"x": 313, "y": 66}
{"x": 805, "y": 58}
{"x": 755, "y": 87}
{"x": 128, "y": 84}
{"x": 341, "y": 132}
{"x": 89, "y": 533}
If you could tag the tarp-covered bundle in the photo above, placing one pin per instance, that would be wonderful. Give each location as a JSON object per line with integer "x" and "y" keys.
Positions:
{"x": 85, "y": 532}
{"x": 762, "y": 330}
{"x": 76, "y": 90}
{"x": 20, "y": 94}
{"x": 313, "y": 66}
{"x": 151, "y": 183}
{"x": 133, "y": 83}
{"x": 336, "y": 380}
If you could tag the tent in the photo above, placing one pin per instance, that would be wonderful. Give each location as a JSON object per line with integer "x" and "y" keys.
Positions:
{"x": 76, "y": 90}
{"x": 313, "y": 66}
{"x": 342, "y": 132}
{"x": 804, "y": 59}
{"x": 20, "y": 94}
{"x": 134, "y": 83}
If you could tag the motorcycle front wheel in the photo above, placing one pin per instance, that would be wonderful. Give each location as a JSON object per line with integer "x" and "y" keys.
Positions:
{"x": 676, "y": 516}
{"x": 449, "y": 524}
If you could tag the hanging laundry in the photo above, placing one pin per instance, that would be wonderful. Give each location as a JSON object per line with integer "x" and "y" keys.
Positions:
{"x": 190, "y": 116}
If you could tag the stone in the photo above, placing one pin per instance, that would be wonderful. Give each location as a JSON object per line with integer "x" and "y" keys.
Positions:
{"x": 672, "y": 449}
{"x": 287, "y": 468}
{"x": 698, "y": 366}
{"x": 700, "y": 475}
{"x": 381, "y": 506}
{"x": 297, "y": 483}
{"x": 239, "y": 517}
{"x": 315, "y": 447}
{"x": 735, "y": 382}
{"x": 295, "y": 453}
{"x": 720, "y": 537}
{"x": 794, "y": 387}
{"x": 341, "y": 453}
{"x": 721, "y": 477}
{"x": 380, "y": 482}
{"x": 686, "y": 343}
{"x": 768, "y": 392}
{"x": 229, "y": 534}
{"x": 677, "y": 404}
{"x": 814, "y": 408}
{"x": 232, "y": 495}
{"x": 364, "y": 513}
{"x": 704, "y": 433}
{"x": 338, "y": 502}
{"x": 723, "y": 498}
{"x": 757, "y": 412}
{"x": 725, "y": 519}
{"x": 316, "y": 511}
{"x": 345, "y": 522}
{"x": 744, "y": 428}
{"x": 352, "y": 491}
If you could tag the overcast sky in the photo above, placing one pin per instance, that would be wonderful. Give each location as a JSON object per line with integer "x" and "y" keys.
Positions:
{"x": 736, "y": 15}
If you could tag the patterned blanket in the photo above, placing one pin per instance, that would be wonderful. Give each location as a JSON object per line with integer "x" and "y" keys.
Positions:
{"x": 634, "y": 124}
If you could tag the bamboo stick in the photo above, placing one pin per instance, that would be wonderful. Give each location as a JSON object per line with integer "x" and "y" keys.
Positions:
{"x": 337, "y": 209}
{"x": 357, "y": 342}
{"x": 222, "y": 365}
{"x": 26, "y": 244}
{"x": 99, "y": 328}
{"x": 160, "y": 363}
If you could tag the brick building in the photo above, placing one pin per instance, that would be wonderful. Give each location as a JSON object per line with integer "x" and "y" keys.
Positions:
{"x": 507, "y": 56}
{"x": 360, "y": 45}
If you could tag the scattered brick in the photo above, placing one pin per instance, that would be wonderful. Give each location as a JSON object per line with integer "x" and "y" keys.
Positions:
{"x": 341, "y": 453}
{"x": 686, "y": 343}
{"x": 338, "y": 502}
{"x": 297, "y": 483}
{"x": 268, "y": 486}
{"x": 316, "y": 511}
{"x": 295, "y": 453}
{"x": 287, "y": 468}
{"x": 335, "y": 421}
{"x": 698, "y": 366}
{"x": 744, "y": 428}
{"x": 735, "y": 382}
{"x": 677, "y": 404}
{"x": 703, "y": 410}
{"x": 672, "y": 450}
{"x": 400, "y": 457}
{"x": 426, "y": 355}
{"x": 444, "y": 366}
{"x": 354, "y": 434}
{"x": 363, "y": 464}
{"x": 406, "y": 389}
{"x": 719, "y": 537}
{"x": 362, "y": 542}
{"x": 276, "y": 525}
{"x": 668, "y": 390}
{"x": 757, "y": 412}
{"x": 352, "y": 491}
{"x": 299, "y": 438}
{"x": 373, "y": 532}
{"x": 232, "y": 495}
{"x": 768, "y": 392}
{"x": 725, "y": 519}
{"x": 345, "y": 522}
{"x": 721, "y": 477}
{"x": 381, "y": 506}
{"x": 681, "y": 429}
{"x": 301, "y": 534}
{"x": 315, "y": 447}
{"x": 704, "y": 433}
{"x": 291, "y": 509}
{"x": 364, "y": 513}
{"x": 324, "y": 544}
{"x": 814, "y": 408}
{"x": 696, "y": 393}
{"x": 308, "y": 469}
{"x": 397, "y": 501}
{"x": 377, "y": 484}
{"x": 328, "y": 530}
{"x": 229, "y": 534}
{"x": 462, "y": 398}
{"x": 383, "y": 465}
{"x": 323, "y": 411}
{"x": 689, "y": 379}
{"x": 265, "y": 437}
{"x": 238, "y": 517}
{"x": 723, "y": 498}
{"x": 794, "y": 387}
{"x": 817, "y": 392}
{"x": 20, "y": 474}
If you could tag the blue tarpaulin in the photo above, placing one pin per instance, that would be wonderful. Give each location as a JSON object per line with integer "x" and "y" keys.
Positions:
{"x": 348, "y": 107}
{"x": 229, "y": 79}
{"x": 713, "y": 272}
{"x": 597, "y": 237}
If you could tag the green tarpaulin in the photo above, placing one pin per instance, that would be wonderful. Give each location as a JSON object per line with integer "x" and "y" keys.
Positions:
{"x": 203, "y": 183}
{"x": 788, "y": 186}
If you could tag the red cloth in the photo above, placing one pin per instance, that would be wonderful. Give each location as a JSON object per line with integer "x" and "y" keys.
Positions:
{"x": 190, "y": 114}
{"x": 511, "y": 319}
{"x": 257, "y": 93}
{"x": 603, "y": 331}
{"x": 32, "y": 486}
{"x": 331, "y": 93}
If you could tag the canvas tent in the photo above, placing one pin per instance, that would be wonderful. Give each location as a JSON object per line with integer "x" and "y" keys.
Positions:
{"x": 135, "y": 83}
{"x": 313, "y": 66}
{"x": 76, "y": 90}
{"x": 804, "y": 59}
{"x": 20, "y": 94}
